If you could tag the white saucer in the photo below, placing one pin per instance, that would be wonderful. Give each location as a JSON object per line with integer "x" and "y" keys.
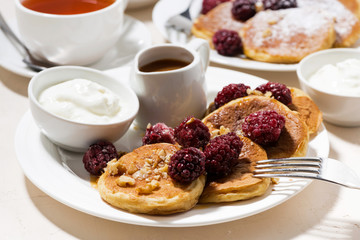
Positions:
{"x": 135, "y": 37}
{"x": 134, "y": 4}
{"x": 61, "y": 174}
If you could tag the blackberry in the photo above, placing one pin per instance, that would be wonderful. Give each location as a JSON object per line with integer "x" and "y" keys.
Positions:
{"x": 207, "y": 5}
{"x": 192, "y": 132}
{"x": 279, "y": 4}
{"x": 227, "y": 42}
{"x": 279, "y": 91}
{"x": 243, "y": 9}
{"x": 222, "y": 154}
{"x": 186, "y": 165}
{"x": 158, "y": 133}
{"x": 263, "y": 127}
{"x": 230, "y": 92}
{"x": 98, "y": 155}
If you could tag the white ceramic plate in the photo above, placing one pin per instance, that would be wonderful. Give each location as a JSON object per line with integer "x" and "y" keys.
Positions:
{"x": 134, "y": 38}
{"x": 61, "y": 174}
{"x": 167, "y": 8}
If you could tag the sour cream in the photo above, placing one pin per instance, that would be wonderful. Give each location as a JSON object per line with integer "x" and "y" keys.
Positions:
{"x": 82, "y": 101}
{"x": 340, "y": 78}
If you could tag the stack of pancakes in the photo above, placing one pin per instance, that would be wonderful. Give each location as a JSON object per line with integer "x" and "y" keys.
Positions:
{"x": 138, "y": 181}
{"x": 287, "y": 35}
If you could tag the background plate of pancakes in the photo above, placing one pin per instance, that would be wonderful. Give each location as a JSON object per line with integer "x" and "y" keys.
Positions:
{"x": 61, "y": 174}
{"x": 164, "y": 9}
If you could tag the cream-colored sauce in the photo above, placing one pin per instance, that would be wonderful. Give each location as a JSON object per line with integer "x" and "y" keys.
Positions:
{"x": 341, "y": 78}
{"x": 82, "y": 101}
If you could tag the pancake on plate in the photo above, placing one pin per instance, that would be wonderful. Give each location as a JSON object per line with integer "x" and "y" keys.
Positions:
{"x": 294, "y": 138}
{"x": 308, "y": 110}
{"x": 353, "y": 6}
{"x": 138, "y": 182}
{"x": 240, "y": 184}
{"x": 220, "y": 17}
{"x": 346, "y": 24}
{"x": 288, "y": 35}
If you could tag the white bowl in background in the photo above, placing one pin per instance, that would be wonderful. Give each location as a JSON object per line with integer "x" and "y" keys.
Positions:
{"x": 339, "y": 109}
{"x": 72, "y": 135}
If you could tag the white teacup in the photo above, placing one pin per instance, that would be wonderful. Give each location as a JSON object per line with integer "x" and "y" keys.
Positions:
{"x": 170, "y": 96}
{"x": 74, "y": 39}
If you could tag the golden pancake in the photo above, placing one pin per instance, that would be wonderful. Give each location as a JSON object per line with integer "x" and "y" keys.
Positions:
{"x": 288, "y": 35}
{"x": 240, "y": 184}
{"x": 308, "y": 110}
{"x": 346, "y": 24}
{"x": 294, "y": 138}
{"x": 353, "y": 6}
{"x": 218, "y": 18}
{"x": 138, "y": 182}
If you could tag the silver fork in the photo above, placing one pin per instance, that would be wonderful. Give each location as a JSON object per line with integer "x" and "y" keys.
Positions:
{"x": 318, "y": 168}
{"x": 178, "y": 27}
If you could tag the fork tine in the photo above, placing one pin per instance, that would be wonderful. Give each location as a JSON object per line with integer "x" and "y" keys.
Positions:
{"x": 295, "y": 159}
{"x": 289, "y": 164}
{"x": 282, "y": 170}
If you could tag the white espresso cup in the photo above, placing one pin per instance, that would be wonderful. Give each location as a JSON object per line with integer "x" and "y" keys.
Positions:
{"x": 170, "y": 96}
{"x": 71, "y": 39}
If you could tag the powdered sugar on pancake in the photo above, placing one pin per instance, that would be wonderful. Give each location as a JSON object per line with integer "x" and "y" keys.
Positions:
{"x": 345, "y": 22}
{"x": 288, "y": 31}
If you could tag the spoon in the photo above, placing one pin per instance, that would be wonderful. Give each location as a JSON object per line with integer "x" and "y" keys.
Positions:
{"x": 28, "y": 58}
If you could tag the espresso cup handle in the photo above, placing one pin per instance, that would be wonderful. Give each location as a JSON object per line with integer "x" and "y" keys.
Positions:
{"x": 203, "y": 48}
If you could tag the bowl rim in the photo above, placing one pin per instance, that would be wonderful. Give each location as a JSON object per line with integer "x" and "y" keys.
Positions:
{"x": 134, "y": 101}
{"x": 303, "y": 80}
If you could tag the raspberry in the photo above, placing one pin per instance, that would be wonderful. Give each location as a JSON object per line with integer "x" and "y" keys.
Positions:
{"x": 98, "y": 155}
{"x": 227, "y": 42}
{"x": 186, "y": 165}
{"x": 263, "y": 127}
{"x": 243, "y": 9}
{"x": 207, "y": 5}
{"x": 230, "y": 92}
{"x": 192, "y": 133}
{"x": 279, "y": 4}
{"x": 279, "y": 91}
{"x": 222, "y": 154}
{"x": 158, "y": 133}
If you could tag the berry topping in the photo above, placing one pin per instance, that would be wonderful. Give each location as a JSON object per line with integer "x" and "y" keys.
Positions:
{"x": 159, "y": 133}
{"x": 207, "y": 5}
{"x": 227, "y": 42}
{"x": 279, "y": 91}
{"x": 243, "y": 9}
{"x": 263, "y": 127}
{"x": 279, "y": 4}
{"x": 186, "y": 165}
{"x": 222, "y": 154}
{"x": 230, "y": 92}
{"x": 192, "y": 132}
{"x": 98, "y": 155}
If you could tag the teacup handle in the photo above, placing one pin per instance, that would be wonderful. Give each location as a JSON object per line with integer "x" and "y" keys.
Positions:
{"x": 203, "y": 48}
{"x": 124, "y": 4}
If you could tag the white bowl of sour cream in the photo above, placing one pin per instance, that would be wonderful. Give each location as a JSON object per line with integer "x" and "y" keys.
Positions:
{"x": 332, "y": 79}
{"x": 76, "y": 106}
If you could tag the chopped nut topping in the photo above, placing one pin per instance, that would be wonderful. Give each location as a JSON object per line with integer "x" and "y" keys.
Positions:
{"x": 149, "y": 187}
{"x": 267, "y": 33}
{"x": 123, "y": 181}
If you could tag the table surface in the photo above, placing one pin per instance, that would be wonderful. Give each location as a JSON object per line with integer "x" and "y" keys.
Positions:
{"x": 321, "y": 211}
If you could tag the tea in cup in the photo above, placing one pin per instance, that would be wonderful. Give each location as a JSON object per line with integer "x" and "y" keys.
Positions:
{"x": 70, "y": 32}
{"x": 169, "y": 81}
